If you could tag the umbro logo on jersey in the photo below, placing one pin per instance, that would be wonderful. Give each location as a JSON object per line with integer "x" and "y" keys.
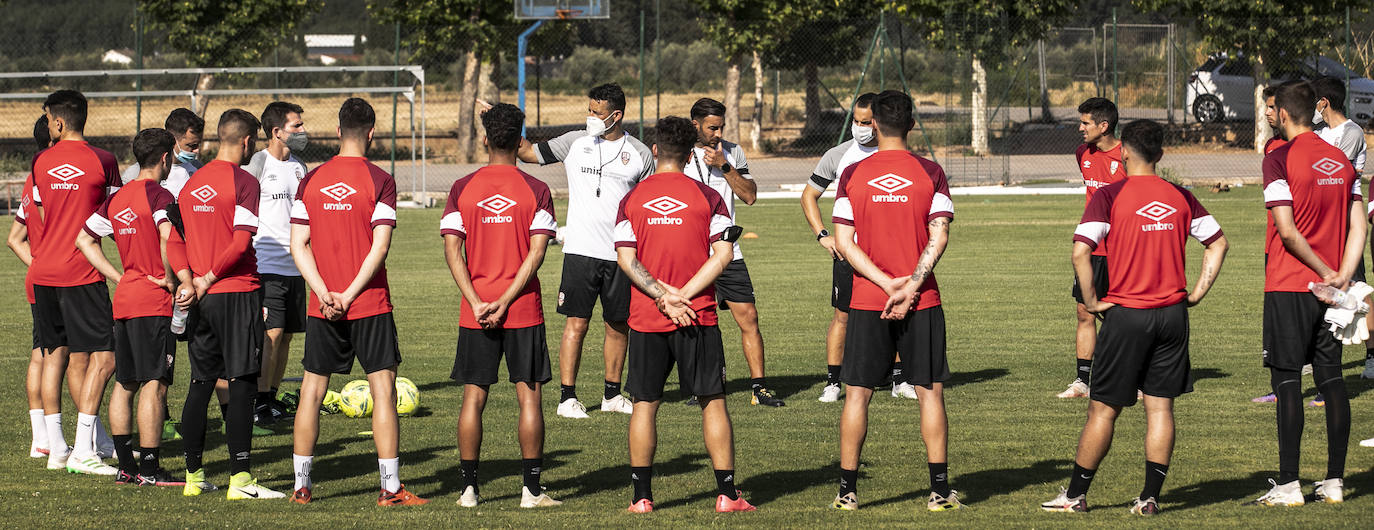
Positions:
{"x": 127, "y": 216}
{"x": 338, "y": 191}
{"x": 204, "y": 194}
{"x": 890, "y": 184}
{"x": 1328, "y": 167}
{"x": 664, "y": 206}
{"x": 496, "y": 204}
{"x": 64, "y": 173}
{"x": 1156, "y": 211}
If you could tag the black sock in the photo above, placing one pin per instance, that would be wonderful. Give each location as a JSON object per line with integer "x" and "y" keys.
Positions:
{"x": 642, "y": 478}
{"x": 1332, "y": 386}
{"x": 1154, "y": 480}
{"x": 1081, "y": 479}
{"x": 530, "y": 470}
{"x": 832, "y": 374}
{"x": 264, "y": 398}
{"x": 1288, "y": 404}
{"x": 239, "y": 425}
{"x": 468, "y": 469}
{"x": 272, "y": 392}
{"x": 569, "y": 392}
{"x": 612, "y": 390}
{"x": 150, "y": 461}
{"x": 939, "y": 478}
{"x": 849, "y": 481}
{"x": 757, "y": 383}
{"x": 897, "y": 373}
{"x": 1369, "y": 353}
{"x": 224, "y": 412}
{"x": 124, "y": 449}
{"x": 725, "y": 483}
{"x": 1084, "y": 370}
{"x": 193, "y": 422}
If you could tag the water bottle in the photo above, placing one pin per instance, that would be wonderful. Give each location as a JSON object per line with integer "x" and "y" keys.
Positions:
{"x": 179, "y": 316}
{"x": 1333, "y": 296}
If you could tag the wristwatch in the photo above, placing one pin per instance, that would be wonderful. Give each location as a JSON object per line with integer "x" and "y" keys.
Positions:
{"x": 725, "y": 168}
{"x": 824, "y": 234}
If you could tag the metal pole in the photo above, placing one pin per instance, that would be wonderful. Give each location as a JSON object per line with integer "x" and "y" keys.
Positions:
{"x": 1169, "y": 87}
{"x": 641, "y": 71}
{"x": 138, "y": 81}
{"x": 538, "y": 91}
{"x": 777, "y": 81}
{"x": 658, "y": 63}
{"x": 1045, "y": 114}
{"x": 1348, "y": 58}
{"x": 1116, "y": 89}
{"x": 849, "y": 114}
{"x": 520, "y": 57}
{"x": 882, "y": 52}
{"x": 396, "y": 81}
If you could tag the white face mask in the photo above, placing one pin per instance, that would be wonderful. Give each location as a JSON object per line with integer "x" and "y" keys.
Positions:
{"x": 1316, "y": 117}
{"x": 596, "y": 127}
{"x": 861, "y": 134}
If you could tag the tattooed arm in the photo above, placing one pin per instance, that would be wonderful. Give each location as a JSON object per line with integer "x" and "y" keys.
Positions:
{"x": 1211, "y": 267}
{"x": 899, "y": 303}
{"x": 670, "y": 303}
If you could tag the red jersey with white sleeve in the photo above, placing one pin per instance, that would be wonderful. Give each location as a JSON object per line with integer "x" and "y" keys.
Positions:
{"x": 495, "y": 210}
{"x": 1100, "y": 169}
{"x": 1274, "y": 143}
{"x": 132, "y": 217}
{"x": 342, "y": 201}
{"x": 1146, "y": 221}
{"x": 24, "y": 215}
{"x": 671, "y": 220}
{"x": 889, "y": 198}
{"x": 70, "y": 180}
{"x": 216, "y": 202}
{"x": 1315, "y": 179}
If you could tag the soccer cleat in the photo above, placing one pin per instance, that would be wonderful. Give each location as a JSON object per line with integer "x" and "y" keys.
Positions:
{"x": 400, "y": 498}
{"x": 1368, "y": 372}
{"x": 159, "y": 478}
{"x": 90, "y": 465}
{"x": 618, "y": 403}
{"x": 830, "y": 394}
{"x": 641, "y": 506}
{"x": 1145, "y": 507}
{"x": 57, "y": 460}
{"x": 171, "y": 430}
{"x": 469, "y": 499}
{"x": 738, "y": 504}
{"x": 37, "y": 451}
{"x": 692, "y": 402}
{"x": 1077, "y": 389}
{"x": 332, "y": 403}
{"x": 1367, "y": 443}
{"x": 1318, "y": 401}
{"x": 288, "y": 400}
{"x": 847, "y": 502}
{"x": 572, "y": 408}
{"x": 123, "y": 477}
{"x": 243, "y": 487}
{"x": 301, "y": 496}
{"x": 939, "y": 503}
{"x": 1289, "y": 494}
{"x": 1267, "y": 398}
{"x": 766, "y": 397}
{"x": 196, "y": 484}
{"x": 904, "y": 390}
{"x": 1329, "y": 491}
{"x": 1063, "y": 503}
{"x": 530, "y": 500}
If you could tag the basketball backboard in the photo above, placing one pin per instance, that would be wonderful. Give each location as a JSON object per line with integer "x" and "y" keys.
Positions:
{"x": 561, "y": 9}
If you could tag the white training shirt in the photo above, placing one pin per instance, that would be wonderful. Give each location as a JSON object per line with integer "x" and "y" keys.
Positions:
{"x": 592, "y": 164}
{"x": 277, "y": 180}
{"x": 835, "y": 161}
{"x": 1349, "y": 138}
{"x": 175, "y": 179}
{"x": 715, "y": 178}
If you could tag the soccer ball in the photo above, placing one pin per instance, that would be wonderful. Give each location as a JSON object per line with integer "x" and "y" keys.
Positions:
{"x": 356, "y": 399}
{"x": 407, "y": 396}
{"x": 331, "y": 403}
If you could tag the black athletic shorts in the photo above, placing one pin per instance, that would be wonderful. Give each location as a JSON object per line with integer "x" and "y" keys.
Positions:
{"x": 33, "y": 313}
{"x": 283, "y": 302}
{"x": 78, "y": 317}
{"x": 1099, "y": 265}
{"x": 226, "y": 341}
{"x": 734, "y": 285}
{"x": 841, "y": 284}
{"x": 585, "y": 279}
{"x": 1296, "y": 332}
{"x": 144, "y": 350}
{"x": 1358, "y": 275}
{"x": 479, "y": 355}
{"x": 871, "y": 342}
{"x": 1141, "y": 349}
{"x": 696, "y": 350}
{"x": 331, "y": 346}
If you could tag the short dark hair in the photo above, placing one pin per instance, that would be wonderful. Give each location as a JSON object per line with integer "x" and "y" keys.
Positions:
{"x": 1332, "y": 89}
{"x": 1269, "y": 91}
{"x": 892, "y": 112}
{"x": 356, "y": 117}
{"x": 504, "y": 123}
{"x": 1101, "y": 109}
{"x": 1299, "y": 100}
{"x": 707, "y": 107}
{"x": 274, "y": 116}
{"x": 865, "y": 101}
{"x": 1144, "y": 137}
{"x": 40, "y": 132}
{"x": 151, "y": 144}
{"x": 609, "y": 92}
{"x": 69, "y": 105}
{"x": 182, "y": 120}
{"x": 675, "y": 137}
{"x": 235, "y": 125}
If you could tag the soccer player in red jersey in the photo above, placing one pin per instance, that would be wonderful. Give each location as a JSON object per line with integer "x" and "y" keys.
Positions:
{"x": 215, "y": 262}
{"x": 1144, "y": 341}
{"x": 496, "y": 227}
{"x": 892, "y": 214}
{"x": 354, "y": 204}
{"x": 135, "y": 217}
{"x": 1271, "y": 115}
{"x": 671, "y": 238}
{"x": 20, "y": 237}
{"x": 1099, "y": 160}
{"x": 1315, "y": 235}
{"x": 71, "y": 179}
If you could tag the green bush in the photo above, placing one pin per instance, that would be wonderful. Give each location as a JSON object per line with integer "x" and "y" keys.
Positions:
{"x": 592, "y": 66}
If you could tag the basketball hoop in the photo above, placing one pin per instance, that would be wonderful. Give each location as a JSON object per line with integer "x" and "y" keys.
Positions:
{"x": 565, "y": 14}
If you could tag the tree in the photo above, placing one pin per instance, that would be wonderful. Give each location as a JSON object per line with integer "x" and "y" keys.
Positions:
{"x": 223, "y": 33}
{"x": 829, "y": 37}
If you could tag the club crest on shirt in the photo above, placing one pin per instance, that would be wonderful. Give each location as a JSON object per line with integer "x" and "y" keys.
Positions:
{"x": 624, "y": 158}
{"x": 1115, "y": 165}
{"x": 664, "y": 206}
{"x": 496, "y": 204}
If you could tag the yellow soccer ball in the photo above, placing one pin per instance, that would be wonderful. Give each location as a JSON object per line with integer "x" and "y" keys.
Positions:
{"x": 356, "y": 399}
{"x": 407, "y": 396}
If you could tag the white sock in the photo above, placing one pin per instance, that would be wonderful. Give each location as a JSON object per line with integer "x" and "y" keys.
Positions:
{"x": 57, "y": 443}
{"x": 302, "y": 465}
{"x": 84, "y": 444}
{"x": 102, "y": 438}
{"x": 389, "y": 468}
{"x": 40, "y": 430}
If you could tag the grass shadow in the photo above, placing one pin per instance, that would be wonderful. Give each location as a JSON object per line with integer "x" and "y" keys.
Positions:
{"x": 783, "y": 386}
{"x": 767, "y": 487}
{"x": 615, "y": 477}
{"x": 1208, "y": 373}
{"x": 980, "y": 376}
{"x": 1208, "y": 492}
{"x": 992, "y": 482}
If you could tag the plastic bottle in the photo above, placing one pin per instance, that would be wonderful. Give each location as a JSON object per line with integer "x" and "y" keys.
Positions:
{"x": 1333, "y": 296}
{"x": 179, "y": 316}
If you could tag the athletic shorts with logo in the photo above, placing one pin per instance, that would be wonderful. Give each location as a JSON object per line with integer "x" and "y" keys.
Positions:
{"x": 332, "y": 345}
{"x": 78, "y": 317}
{"x": 841, "y": 284}
{"x": 584, "y": 279}
{"x": 283, "y": 302}
{"x": 479, "y": 354}
{"x": 1296, "y": 333}
{"x": 734, "y": 285}
{"x": 870, "y": 343}
{"x": 145, "y": 350}
{"x": 1141, "y": 349}
{"x": 697, "y": 351}
{"x": 226, "y": 342}
{"x": 1099, "y": 267}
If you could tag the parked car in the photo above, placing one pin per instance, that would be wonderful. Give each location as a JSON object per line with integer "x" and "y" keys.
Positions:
{"x": 1223, "y": 87}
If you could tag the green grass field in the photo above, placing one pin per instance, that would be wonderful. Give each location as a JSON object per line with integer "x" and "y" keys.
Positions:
{"x": 1005, "y": 282}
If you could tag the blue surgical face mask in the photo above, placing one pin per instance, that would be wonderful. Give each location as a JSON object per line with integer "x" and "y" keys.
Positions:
{"x": 185, "y": 157}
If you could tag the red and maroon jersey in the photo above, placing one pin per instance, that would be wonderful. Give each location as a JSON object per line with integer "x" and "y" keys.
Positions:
{"x": 671, "y": 220}
{"x": 1146, "y": 221}
{"x": 1274, "y": 143}
{"x": 495, "y": 210}
{"x": 132, "y": 217}
{"x": 889, "y": 198}
{"x": 342, "y": 201}
{"x": 70, "y": 180}
{"x": 1317, "y": 181}
{"x": 214, "y": 203}
{"x": 1100, "y": 169}
{"x": 25, "y": 215}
